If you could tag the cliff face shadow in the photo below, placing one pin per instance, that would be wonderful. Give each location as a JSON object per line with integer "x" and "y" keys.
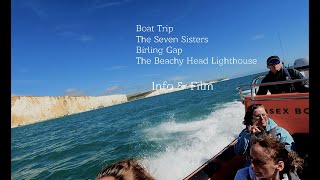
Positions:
{"x": 139, "y": 95}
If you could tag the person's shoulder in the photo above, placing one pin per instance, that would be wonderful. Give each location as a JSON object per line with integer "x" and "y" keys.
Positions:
{"x": 282, "y": 130}
{"x": 293, "y": 72}
{"x": 244, "y": 170}
{"x": 272, "y": 122}
{"x": 294, "y": 176}
{"x": 267, "y": 77}
{"x": 242, "y": 173}
{"x": 244, "y": 131}
{"x": 277, "y": 128}
{"x": 284, "y": 135}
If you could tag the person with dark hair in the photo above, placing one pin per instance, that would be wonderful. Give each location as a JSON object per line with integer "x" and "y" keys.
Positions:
{"x": 279, "y": 73}
{"x": 257, "y": 122}
{"x": 124, "y": 170}
{"x": 271, "y": 160}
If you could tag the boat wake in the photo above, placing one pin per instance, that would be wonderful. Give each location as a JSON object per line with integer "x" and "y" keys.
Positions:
{"x": 193, "y": 143}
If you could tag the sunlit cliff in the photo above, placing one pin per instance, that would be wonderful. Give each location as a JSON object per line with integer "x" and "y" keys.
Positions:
{"x": 31, "y": 109}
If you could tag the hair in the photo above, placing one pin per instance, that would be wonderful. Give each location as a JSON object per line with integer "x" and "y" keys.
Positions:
{"x": 278, "y": 152}
{"x": 249, "y": 113}
{"x": 128, "y": 169}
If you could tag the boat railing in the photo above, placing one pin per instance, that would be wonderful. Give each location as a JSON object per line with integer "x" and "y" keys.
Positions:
{"x": 254, "y": 86}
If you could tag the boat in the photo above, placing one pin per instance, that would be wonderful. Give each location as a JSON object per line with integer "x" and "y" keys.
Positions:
{"x": 288, "y": 110}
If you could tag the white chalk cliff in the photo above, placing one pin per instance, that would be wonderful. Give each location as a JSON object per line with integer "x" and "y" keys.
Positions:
{"x": 31, "y": 109}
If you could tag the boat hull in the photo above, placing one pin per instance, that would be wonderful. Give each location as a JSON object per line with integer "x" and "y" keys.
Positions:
{"x": 289, "y": 110}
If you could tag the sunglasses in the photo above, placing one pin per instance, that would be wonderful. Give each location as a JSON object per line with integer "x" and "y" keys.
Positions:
{"x": 273, "y": 62}
{"x": 257, "y": 116}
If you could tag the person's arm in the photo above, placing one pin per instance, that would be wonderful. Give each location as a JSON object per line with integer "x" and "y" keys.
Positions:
{"x": 243, "y": 142}
{"x": 299, "y": 86}
{"x": 263, "y": 90}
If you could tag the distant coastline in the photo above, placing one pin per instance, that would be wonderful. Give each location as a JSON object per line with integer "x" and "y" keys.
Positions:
{"x": 27, "y": 110}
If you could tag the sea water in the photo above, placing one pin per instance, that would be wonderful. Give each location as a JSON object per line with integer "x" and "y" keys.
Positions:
{"x": 170, "y": 134}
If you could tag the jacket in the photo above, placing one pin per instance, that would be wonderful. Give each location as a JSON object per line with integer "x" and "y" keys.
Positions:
{"x": 247, "y": 173}
{"x": 283, "y": 75}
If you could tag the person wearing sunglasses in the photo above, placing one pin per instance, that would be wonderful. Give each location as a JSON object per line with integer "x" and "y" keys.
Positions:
{"x": 257, "y": 123}
{"x": 271, "y": 160}
{"x": 279, "y": 73}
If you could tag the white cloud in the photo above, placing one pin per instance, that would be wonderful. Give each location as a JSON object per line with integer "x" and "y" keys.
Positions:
{"x": 108, "y": 3}
{"x": 115, "y": 68}
{"x": 257, "y": 37}
{"x": 37, "y": 9}
{"x": 74, "y": 92}
{"x": 70, "y": 31}
{"x": 112, "y": 89}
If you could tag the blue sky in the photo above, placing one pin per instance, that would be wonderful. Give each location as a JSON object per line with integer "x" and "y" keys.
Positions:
{"x": 88, "y": 47}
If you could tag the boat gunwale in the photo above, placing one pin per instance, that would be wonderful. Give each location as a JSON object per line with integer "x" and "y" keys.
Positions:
{"x": 273, "y": 83}
{"x": 211, "y": 159}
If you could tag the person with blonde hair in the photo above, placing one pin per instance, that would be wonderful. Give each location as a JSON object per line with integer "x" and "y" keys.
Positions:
{"x": 129, "y": 169}
{"x": 270, "y": 160}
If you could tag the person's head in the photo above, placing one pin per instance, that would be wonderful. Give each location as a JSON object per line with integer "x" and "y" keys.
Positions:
{"x": 274, "y": 64}
{"x": 270, "y": 158}
{"x": 124, "y": 170}
{"x": 256, "y": 113}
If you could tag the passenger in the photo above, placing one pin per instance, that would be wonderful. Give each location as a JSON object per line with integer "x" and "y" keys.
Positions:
{"x": 270, "y": 160}
{"x": 124, "y": 170}
{"x": 257, "y": 122}
{"x": 279, "y": 73}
